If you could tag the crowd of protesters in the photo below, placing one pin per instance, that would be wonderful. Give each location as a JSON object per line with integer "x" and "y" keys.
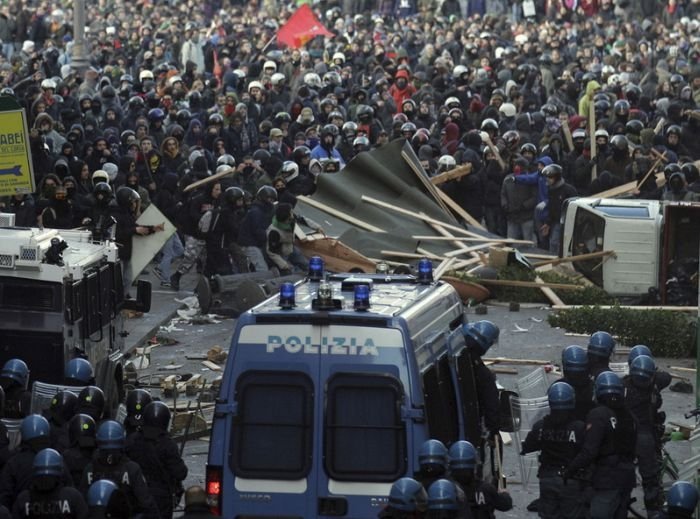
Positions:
{"x": 177, "y": 91}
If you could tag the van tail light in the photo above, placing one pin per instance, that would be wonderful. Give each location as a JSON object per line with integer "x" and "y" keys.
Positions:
{"x": 214, "y": 489}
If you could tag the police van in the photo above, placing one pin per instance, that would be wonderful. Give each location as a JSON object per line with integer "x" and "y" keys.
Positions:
{"x": 329, "y": 391}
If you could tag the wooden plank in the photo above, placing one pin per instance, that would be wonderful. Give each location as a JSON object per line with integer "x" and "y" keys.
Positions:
{"x": 467, "y": 250}
{"x": 427, "y": 237}
{"x": 337, "y": 256}
{"x": 548, "y": 292}
{"x": 339, "y": 214}
{"x": 629, "y": 307}
{"x": 681, "y": 368}
{"x": 625, "y": 188}
{"x": 410, "y": 255}
{"x": 458, "y": 209}
{"x": 209, "y": 180}
{"x": 443, "y": 267}
{"x": 507, "y": 360}
{"x": 506, "y": 371}
{"x": 580, "y": 257}
{"x": 594, "y": 147}
{"x": 212, "y": 366}
{"x": 423, "y": 177}
{"x": 529, "y": 284}
{"x": 455, "y": 173}
{"x": 419, "y": 216}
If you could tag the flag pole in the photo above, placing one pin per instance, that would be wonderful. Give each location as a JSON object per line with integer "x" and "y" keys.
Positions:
{"x": 274, "y": 37}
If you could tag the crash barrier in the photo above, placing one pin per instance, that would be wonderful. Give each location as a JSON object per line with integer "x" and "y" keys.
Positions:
{"x": 621, "y": 368}
{"x": 42, "y": 393}
{"x": 525, "y": 412}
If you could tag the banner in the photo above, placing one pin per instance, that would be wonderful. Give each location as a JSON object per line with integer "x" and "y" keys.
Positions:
{"x": 16, "y": 172}
{"x": 301, "y": 27}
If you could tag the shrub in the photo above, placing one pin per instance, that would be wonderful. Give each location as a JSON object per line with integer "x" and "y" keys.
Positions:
{"x": 667, "y": 333}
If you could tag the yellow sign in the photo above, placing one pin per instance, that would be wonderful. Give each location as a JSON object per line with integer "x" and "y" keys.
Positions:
{"x": 16, "y": 172}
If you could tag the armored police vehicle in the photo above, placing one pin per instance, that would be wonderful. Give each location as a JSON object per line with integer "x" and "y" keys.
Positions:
{"x": 329, "y": 391}
{"x": 61, "y": 297}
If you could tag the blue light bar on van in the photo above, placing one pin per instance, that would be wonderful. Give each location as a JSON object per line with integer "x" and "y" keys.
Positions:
{"x": 361, "y": 298}
{"x": 287, "y": 293}
{"x": 316, "y": 268}
{"x": 425, "y": 271}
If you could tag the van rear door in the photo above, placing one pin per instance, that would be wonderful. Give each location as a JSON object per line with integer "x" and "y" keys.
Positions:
{"x": 363, "y": 436}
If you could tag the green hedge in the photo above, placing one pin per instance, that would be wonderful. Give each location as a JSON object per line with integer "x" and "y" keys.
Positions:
{"x": 667, "y": 333}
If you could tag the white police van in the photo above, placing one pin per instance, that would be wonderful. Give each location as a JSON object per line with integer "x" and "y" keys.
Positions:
{"x": 329, "y": 391}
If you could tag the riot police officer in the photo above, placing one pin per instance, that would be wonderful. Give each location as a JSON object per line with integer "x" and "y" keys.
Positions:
{"x": 14, "y": 378}
{"x": 78, "y": 372}
{"x": 641, "y": 397}
{"x": 432, "y": 462}
{"x": 62, "y": 408}
{"x": 159, "y": 457}
{"x": 479, "y": 337}
{"x": 609, "y": 445}
{"x": 110, "y": 462}
{"x": 106, "y": 500}
{"x": 91, "y": 401}
{"x": 136, "y": 402}
{"x": 558, "y": 437}
{"x": 82, "y": 433}
{"x": 47, "y": 496}
{"x": 482, "y": 498}
{"x": 407, "y": 500}
{"x": 600, "y": 348}
{"x": 681, "y": 501}
{"x": 574, "y": 364}
{"x": 16, "y": 476}
{"x": 443, "y": 501}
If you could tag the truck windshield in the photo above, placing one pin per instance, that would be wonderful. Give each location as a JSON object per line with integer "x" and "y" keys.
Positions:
{"x": 589, "y": 236}
{"x": 624, "y": 211}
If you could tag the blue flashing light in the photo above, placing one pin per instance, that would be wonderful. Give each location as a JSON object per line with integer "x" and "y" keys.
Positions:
{"x": 425, "y": 271}
{"x": 361, "y": 298}
{"x": 287, "y": 294}
{"x": 316, "y": 268}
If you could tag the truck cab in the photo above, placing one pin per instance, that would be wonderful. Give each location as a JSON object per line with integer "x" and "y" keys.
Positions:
{"x": 61, "y": 297}
{"x": 328, "y": 394}
{"x": 651, "y": 241}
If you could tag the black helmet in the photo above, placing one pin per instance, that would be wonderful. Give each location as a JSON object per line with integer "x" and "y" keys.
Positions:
{"x": 676, "y": 80}
{"x": 183, "y": 117}
{"x": 674, "y": 129}
{"x": 157, "y": 415}
{"x": 633, "y": 93}
{"x": 136, "y": 401}
{"x": 156, "y": 114}
{"x": 262, "y": 156}
{"x": 621, "y": 107}
{"x": 125, "y": 196}
{"x": 550, "y": 110}
{"x": 364, "y": 113}
{"x": 489, "y": 125}
{"x": 329, "y": 129}
{"x": 349, "y": 130}
{"x": 511, "y": 138}
{"x": 91, "y": 400}
{"x": 634, "y": 127}
{"x": 136, "y": 102}
{"x": 82, "y": 430}
{"x": 553, "y": 170}
{"x": 63, "y": 407}
{"x": 601, "y": 107}
{"x": 233, "y": 194}
{"x": 691, "y": 172}
{"x": 215, "y": 119}
{"x": 108, "y": 92}
{"x": 267, "y": 194}
{"x": 670, "y": 169}
{"x": 619, "y": 142}
{"x": 300, "y": 152}
{"x": 282, "y": 117}
{"x": 528, "y": 148}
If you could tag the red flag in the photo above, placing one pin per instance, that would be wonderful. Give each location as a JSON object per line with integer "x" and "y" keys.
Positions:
{"x": 301, "y": 27}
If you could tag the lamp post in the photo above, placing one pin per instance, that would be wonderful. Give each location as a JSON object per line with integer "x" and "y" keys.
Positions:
{"x": 79, "y": 61}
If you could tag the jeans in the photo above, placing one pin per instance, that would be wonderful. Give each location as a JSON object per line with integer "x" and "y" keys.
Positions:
{"x": 172, "y": 249}
{"x": 8, "y": 49}
{"x": 554, "y": 238}
{"x": 521, "y": 230}
{"x": 256, "y": 258}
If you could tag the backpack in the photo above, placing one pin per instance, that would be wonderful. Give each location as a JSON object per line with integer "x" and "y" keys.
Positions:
{"x": 207, "y": 222}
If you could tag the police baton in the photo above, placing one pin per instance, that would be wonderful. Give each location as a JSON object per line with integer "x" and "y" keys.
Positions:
{"x": 499, "y": 466}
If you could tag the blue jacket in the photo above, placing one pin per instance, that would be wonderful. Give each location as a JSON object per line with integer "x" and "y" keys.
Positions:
{"x": 535, "y": 178}
{"x": 320, "y": 153}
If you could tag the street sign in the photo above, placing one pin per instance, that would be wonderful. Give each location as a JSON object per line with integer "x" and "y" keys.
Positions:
{"x": 16, "y": 171}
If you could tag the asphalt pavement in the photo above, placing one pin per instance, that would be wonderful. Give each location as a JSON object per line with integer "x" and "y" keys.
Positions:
{"x": 525, "y": 334}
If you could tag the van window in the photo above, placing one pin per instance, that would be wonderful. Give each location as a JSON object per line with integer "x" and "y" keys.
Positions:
{"x": 272, "y": 433}
{"x": 440, "y": 405}
{"x": 589, "y": 235}
{"x": 365, "y": 438}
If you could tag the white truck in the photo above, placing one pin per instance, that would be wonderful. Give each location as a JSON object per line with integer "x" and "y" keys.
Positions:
{"x": 61, "y": 296}
{"x": 655, "y": 245}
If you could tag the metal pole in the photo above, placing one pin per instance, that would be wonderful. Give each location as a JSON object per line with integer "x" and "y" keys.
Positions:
{"x": 697, "y": 353}
{"x": 79, "y": 61}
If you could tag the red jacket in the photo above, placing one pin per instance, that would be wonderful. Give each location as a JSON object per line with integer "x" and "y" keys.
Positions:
{"x": 400, "y": 95}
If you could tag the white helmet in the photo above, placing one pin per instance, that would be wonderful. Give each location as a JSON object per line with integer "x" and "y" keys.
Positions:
{"x": 145, "y": 74}
{"x": 507, "y": 109}
{"x": 602, "y": 133}
{"x": 255, "y": 84}
{"x": 111, "y": 169}
{"x": 452, "y": 102}
{"x": 277, "y": 78}
{"x": 313, "y": 80}
{"x": 340, "y": 56}
{"x": 459, "y": 70}
{"x": 290, "y": 170}
{"x": 48, "y": 83}
{"x": 613, "y": 80}
{"x": 446, "y": 163}
{"x": 270, "y": 64}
